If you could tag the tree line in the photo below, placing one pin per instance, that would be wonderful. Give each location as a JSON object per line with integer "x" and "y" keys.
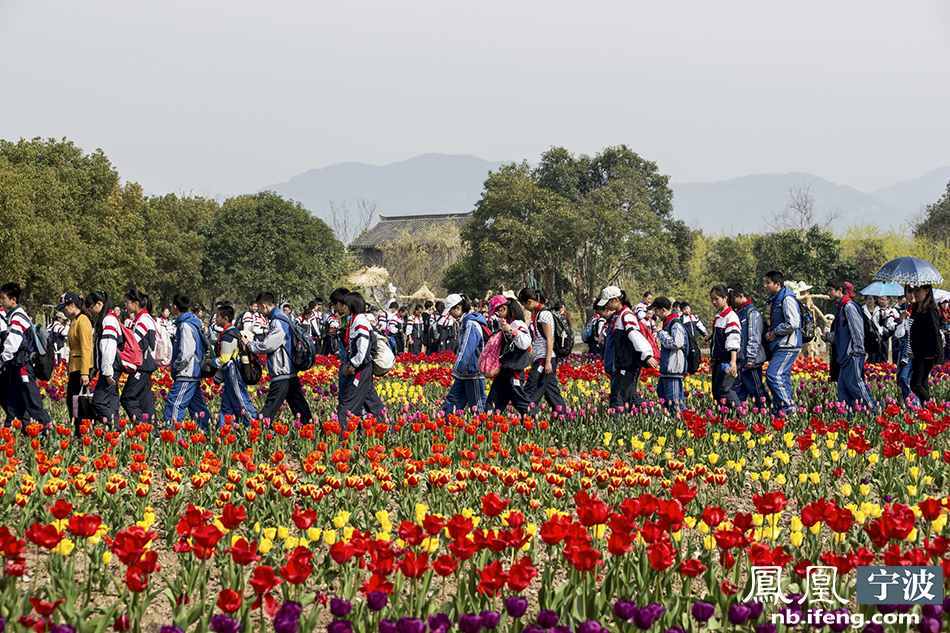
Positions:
{"x": 67, "y": 222}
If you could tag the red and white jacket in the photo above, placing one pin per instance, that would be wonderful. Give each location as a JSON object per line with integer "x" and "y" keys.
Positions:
{"x": 18, "y": 326}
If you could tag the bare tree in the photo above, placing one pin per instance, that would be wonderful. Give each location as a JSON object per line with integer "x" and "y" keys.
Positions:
{"x": 801, "y": 211}
{"x": 348, "y": 225}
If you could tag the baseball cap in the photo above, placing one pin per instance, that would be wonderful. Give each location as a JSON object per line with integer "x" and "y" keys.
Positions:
{"x": 69, "y": 297}
{"x": 450, "y": 302}
{"x": 496, "y": 302}
{"x": 661, "y": 302}
{"x": 608, "y": 293}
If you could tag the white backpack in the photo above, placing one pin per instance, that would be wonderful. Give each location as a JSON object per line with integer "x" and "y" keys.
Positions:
{"x": 163, "y": 347}
{"x": 383, "y": 357}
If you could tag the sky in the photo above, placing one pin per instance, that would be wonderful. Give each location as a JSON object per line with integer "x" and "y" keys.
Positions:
{"x": 217, "y": 98}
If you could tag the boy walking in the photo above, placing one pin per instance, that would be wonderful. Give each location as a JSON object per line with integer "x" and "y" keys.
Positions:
{"x": 284, "y": 382}
{"x": 235, "y": 400}
{"x": 847, "y": 332}
{"x": 23, "y": 396}
{"x": 751, "y": 355}
{"x": 784, "y": 338}
{"x": 672, "y": 339}
{"x": 188, "y": 350}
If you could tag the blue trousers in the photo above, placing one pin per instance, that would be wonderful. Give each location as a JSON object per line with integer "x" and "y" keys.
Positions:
{"x": 779, "y": 378}
{"x": 235, "y": 400}
{"x": 750, "y": 385}
{"x": 852, "y": 389}
{"x": 671, "y": 390}
{"x": 465, "y": 394}
{"x": 903, "y": 380}
{"x": 185, "y": 395}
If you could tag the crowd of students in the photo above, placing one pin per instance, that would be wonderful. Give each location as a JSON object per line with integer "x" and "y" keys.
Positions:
{"x": 657, "y": 333}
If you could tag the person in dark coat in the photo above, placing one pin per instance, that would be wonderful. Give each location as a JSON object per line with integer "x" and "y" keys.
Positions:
{"x": 926, "y": 343}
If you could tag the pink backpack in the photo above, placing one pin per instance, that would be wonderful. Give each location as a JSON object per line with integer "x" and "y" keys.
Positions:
{"x": 131, "y": 353}
{"x": 489, "y": 363}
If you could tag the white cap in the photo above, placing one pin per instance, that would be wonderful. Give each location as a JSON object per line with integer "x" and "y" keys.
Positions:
{"x": 450, "y": 302}
{"x": 608, "y": 293}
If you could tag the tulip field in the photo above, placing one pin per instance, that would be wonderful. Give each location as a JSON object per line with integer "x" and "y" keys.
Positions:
{"x": 586, "y": 519}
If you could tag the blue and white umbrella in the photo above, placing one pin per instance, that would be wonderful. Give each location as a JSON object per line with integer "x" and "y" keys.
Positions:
{"x": 881, "y": 289}
{"x": 909, "y": 270}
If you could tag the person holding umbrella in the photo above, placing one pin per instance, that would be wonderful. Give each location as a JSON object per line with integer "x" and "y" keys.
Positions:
{"x": 925, "y": 346}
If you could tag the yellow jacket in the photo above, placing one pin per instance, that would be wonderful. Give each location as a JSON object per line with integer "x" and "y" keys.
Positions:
{"x": 80, "y": 345}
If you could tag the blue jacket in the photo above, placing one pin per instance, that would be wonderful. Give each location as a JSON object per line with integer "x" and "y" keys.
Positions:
{"x": 751, "y": 350}
{"x": 673, "y": 344}
{"x": 785, "y": 320}
{"x": 848, "y": 328}
{"x": 470, "y": 346}
{"x": 189, "y": 347}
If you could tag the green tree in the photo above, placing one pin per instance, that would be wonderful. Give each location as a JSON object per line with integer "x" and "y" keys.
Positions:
{"x": 264, "y": 242}
{"x": 935, "y": 224}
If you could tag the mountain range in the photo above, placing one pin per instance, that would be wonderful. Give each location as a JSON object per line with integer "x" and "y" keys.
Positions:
{"x": 440, "y": 183}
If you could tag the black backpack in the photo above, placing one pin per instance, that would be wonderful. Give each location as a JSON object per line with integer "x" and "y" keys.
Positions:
{"x": 249, "y": 365}
{"x": 808, "y": 328}
{"x": 872, "y": 338}
{"x": 43, "y": 358}
{"x": 303, "y": 348}
{"x": 694, "y": 355}
{"x": 563, "y": 335}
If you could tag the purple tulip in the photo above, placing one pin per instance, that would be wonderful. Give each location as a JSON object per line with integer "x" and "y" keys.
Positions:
{"x": 62, "y": 628}
{"x": 169, "y": 628}
{"x": 516, "y": 606}
{"x": 755, "y": 610}
{"x": 377, "y": 600}
{"x": 561, "y": 628}
{"x": 387, "y": 626}
{"x": 490, "y": 619}
{"x": 223, "y": 624}
{"x": 470, "y": 623}
{"x": 533, "y": 629}
{"x": 624, "y": 610}
{"x": 340, "y": 626}
{"x": 287, "y": 619}
{"x": 340, "y": 608}
{"x": 841, "y": 621}
{"x": 765, "y": 627}
{"x": 929, "y": 625}
{"x": 590, "y": 626}
{"x": 702, "y": 611}
{"x": 439, "y": 620}
{"x": 645, "y": 617}
{"x": 873, "y": 627}
{"x": 931, "y": 610}
{"x": 410, "y": 625}
{"x": 546, "y": 619}
{"x": 738, "y": 614}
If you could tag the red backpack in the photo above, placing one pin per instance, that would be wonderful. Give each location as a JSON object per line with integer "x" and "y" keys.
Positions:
{"x": 129, "y": 352}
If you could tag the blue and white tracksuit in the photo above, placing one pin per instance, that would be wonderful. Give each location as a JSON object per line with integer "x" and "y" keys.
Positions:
{"x": 23, "y": 397}
{"x": 468, "y": 385}
{"x": 750, "y": 384}
{"x": 848, "y": 331}
{"x": 235, "y": 399}
{"x": 905, "y": 364}
{"x": 785, "y": 321}
{"x": 673, "y": 346}
{"x": 188, "y": 350}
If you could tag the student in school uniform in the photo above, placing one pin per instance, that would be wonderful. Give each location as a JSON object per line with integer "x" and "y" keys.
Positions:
{"x": 626, "y": 350}
{"x": 641, "y": 308}
{"x": 284, "y": 379}
{"x": 416, "y": 330}
{"x": 542, "y": 380}
{"x": 671, "y": 337}
{"x": 235, "y": 400}
{"x": 23, "y": 396}
{"x": 165, "y": 321}
{"x": 595, "y": 330}
{"x": 137, "y": 398}
{"x": 726, "y": 339}
{"x": 751, "y": 356}
{"x": 188, "y": 350}
{"x": 397, "y": 328}
{"x": 847, "y": 332}
{"x": 447, "y": 332}
{"x": 692, "y": 322}
{"x": 360, "y": 390}
{"x": 507, "y": 387}
{"x": 329, "y": 326}
{"x": 784, "y": 338}
{"x": 468, "y": 384}
{"x": 108, "y": 364}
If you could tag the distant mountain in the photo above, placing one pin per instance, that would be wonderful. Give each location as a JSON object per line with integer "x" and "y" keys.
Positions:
{"x": 430, "y": 183}
{"x": 441, "y": 183}
{"x": 743, "y": 205}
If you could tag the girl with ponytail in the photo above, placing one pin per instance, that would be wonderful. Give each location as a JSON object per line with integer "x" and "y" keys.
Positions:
{"x": 108, "y": 365}
{"x": 137, "y": 398}
{"x": 726, "y": 339}
{"x": 542, "y": 379}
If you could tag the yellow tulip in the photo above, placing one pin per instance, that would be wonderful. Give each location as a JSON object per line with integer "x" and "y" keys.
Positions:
{"x": 282, "y": 532}
{"x": 265, "y": 545}
{"x": 797, "y": 538}
{"x": 329, "y": 537}
{"x": 713, "y": 458}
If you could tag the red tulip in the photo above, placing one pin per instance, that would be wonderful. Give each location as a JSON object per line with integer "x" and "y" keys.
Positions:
{"x": 770, "y": 503}
{"x": 233, "y": 516}
{"x": 493, "y": 505}
{"x": 521, "y": 574}
{"x": 83, "y": 525}
{"x": 229, "y": 601}
{"x": 691, "y": 568}
{"x": 243, "y": 553}
{"x": 45, "y": 609}
{"x": 263, "y": 579}
{"x": 930, "y": 509}
{"x": 61, "y": 509}
{"x": 206, "y": 536}
{"x": 304, "y": 520}
{"x": 492, "y": 578}
{"x": 445, "y": 565}
{"x": 897, "y": 522}
{"x": 662, "y": 555}
{"x": 413, "y": 566}
{"x": 46, "y": 536}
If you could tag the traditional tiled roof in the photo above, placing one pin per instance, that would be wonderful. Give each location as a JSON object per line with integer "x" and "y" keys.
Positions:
{"x": 389, "y": 228}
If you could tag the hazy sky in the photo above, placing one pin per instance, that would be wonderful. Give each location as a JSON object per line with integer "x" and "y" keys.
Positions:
{"x": 219, "y": 98}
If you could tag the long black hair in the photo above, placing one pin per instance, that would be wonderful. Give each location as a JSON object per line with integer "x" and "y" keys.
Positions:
{"x": 515, "y": 311}
{"x": 355, "y": 302}
{"x": 929, "y": 303}
{"x": 95, "y": 297}
{"x": 531, "y": 294}
{"x": 140, "y": 298}
{"x": 625, "y": 300}
{"x": 726, "y": 293}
